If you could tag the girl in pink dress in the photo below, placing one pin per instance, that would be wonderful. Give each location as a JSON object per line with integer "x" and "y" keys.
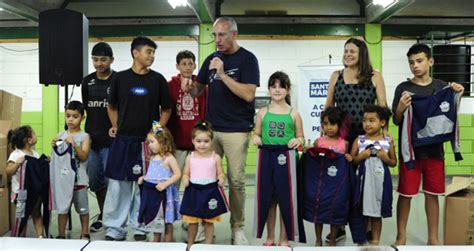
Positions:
{"x": 333, "y": 126}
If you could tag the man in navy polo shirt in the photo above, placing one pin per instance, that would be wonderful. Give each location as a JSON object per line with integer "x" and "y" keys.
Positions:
{"x": 232, "y": 76}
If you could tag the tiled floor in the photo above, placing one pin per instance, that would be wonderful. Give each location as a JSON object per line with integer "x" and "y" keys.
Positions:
{"x": 417, "y": 227}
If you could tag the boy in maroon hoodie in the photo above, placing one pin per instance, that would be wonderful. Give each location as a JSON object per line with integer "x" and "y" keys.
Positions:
{"x": 186, "y": 111}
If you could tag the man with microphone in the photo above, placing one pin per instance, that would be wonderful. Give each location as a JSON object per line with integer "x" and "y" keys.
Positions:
{"x": 232, "y": 75}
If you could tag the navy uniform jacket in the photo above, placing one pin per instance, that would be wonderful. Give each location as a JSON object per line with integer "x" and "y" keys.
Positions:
{"x": 430, "y": 120}
{"x": 330, "y": 191}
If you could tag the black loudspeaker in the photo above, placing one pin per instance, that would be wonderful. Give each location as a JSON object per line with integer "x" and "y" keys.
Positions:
{"x": 63, "y": 47}
{"x": 452, "y": 63}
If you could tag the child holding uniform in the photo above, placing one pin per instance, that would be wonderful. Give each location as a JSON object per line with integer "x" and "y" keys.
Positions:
{"x": 159, "y": 198}
{"x": 69, "y": 179}
{"x": 429, "y": 163}
{"x": 203, "y": 178}
{"x": 375, "y": 153}
{"x": 278, "y": 132}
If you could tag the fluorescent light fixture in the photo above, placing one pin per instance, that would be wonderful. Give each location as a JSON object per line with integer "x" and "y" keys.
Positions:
{"x": 178, "y": 3}
{"x": 384, "y": 3}
{"x": 1, "y": 9}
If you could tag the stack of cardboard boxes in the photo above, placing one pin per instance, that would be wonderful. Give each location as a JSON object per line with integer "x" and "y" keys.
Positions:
{"x": 459, "y": 214}
{"x": 10, "y": 115}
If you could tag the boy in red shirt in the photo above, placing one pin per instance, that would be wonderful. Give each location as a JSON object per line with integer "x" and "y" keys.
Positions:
{"x": 186, "y": 111}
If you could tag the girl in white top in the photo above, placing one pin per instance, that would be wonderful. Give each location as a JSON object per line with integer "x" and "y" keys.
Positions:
{"x": 23, "y": 140}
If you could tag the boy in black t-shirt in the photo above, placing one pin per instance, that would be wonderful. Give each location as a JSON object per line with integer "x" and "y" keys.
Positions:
{"x": 429, "y": 162}
{"x": 136, "y": 97}
{"x": 95, "y": 89}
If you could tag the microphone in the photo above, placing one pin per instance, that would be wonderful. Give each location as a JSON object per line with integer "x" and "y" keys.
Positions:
{"x": 216, "y": 54}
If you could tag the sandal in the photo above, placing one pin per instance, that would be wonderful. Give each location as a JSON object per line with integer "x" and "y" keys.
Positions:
{"x": 268, "y": 243}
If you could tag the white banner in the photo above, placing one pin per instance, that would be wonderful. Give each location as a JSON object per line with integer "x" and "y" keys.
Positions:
{"x": 312, "y": 93}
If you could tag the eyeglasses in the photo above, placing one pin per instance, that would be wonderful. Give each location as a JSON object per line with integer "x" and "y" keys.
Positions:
{"x": 220, "y": 34}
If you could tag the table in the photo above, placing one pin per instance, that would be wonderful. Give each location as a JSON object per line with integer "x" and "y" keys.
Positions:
{"x": 33, "y": 244}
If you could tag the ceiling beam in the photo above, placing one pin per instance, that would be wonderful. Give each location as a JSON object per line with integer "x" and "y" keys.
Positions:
{"x": 361, "y": 4}
{"x": 19, "y": 9}
{"x": 458, "y": 21}
{"x": 378, "y": 14}
{"x": 115, "y": 21}
{"x": 204, "y": 10}
{"x": 143, "y": 21}
{"x": 299, "y": 20}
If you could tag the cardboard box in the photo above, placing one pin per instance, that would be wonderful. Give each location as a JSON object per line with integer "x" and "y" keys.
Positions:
{"x": 459, "y": 213}
{"x": 10, "y": 117}
{"x": 5, "y": 211}
{"x": 4, "y": 205}
{"x": 5, "y": 126}
{"x": 10, "y": 108}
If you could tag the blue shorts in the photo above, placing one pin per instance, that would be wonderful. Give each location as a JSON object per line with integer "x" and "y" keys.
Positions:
{"x": 96, "y": 163}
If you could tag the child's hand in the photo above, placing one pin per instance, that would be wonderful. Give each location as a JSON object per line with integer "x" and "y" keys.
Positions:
{"x": 294, "y": 143}
{"x": 405, "y": 101}
{"x": 348, "y": 157}
{"x": 365, "y": 154}
{"x": 220, "y": 182}
{"x": 53, "y": 142}
{"x": 160, "y": 187}
{"x": 186, "y": 84}
{"x": 456, "y": 87}
{"x": 383, "y": 155}
{"x": 113, "y": 132}
{"x": 257, "y": 140}
{"x": 69, "y": 139}
{"x": 185, "y": 182}
{"x": 140, "y": 180}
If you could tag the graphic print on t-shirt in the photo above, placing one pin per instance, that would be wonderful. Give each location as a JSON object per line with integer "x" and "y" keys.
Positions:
{"x": 231, "y": 73}
{"x": 185, "y": 106}
{"x": 277, "y": 129}
{"x": 138, "y": 91}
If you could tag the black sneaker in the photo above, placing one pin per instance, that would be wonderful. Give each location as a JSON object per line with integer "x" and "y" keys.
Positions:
{"x": 97, "y": 226}
{"x": 341, "y": 234}
{"x": 139, "y": 237}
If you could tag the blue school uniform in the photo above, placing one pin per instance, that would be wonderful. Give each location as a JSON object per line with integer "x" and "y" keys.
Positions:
{"x": 330, "y": 194}
{"x": 277, "y": 178}
{"x": 34, "y": 185}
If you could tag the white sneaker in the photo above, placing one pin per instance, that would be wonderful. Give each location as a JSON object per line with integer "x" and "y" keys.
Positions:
{"x": 238, "y": 238}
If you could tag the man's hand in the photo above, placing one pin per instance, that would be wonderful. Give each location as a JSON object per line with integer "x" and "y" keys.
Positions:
{"x": 218, "y": 65}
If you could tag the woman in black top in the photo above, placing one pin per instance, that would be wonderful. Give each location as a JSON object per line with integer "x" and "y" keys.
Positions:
{"x": 353, "y": 88}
